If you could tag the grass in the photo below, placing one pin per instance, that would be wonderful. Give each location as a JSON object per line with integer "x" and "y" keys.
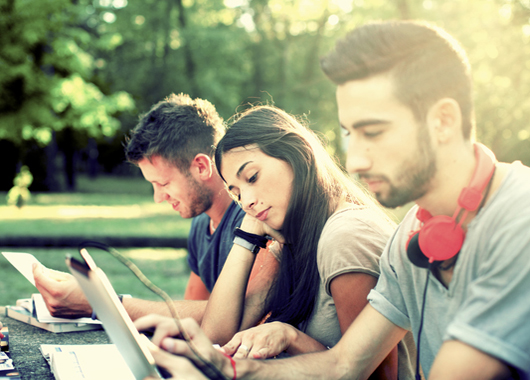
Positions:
{"x": 157, "y": 226}
{"x": 121, "y": 207}
{"x": 106, "y": 206}
{"x": 166, "y": 268}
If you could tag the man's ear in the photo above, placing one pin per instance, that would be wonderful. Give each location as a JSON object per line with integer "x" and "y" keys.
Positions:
{"x": 202, "y": 166}
{"x": 444, "y": 120}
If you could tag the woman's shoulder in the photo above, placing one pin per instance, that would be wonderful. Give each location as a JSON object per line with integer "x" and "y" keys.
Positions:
{"x": 351, "y": 217}
{"x": 352, "y": 241}
{"x": 355, "y": 227}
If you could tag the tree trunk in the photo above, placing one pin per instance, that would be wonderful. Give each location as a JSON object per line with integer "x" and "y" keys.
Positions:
{"x": 9, "y": 157}
{"x": 51, "y": 165}
{"x": 188, "y": 56}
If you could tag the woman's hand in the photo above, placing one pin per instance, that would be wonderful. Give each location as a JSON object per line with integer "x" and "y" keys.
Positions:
{"x": 257, "y": 227}
{"x": 261, "y": 342}
{"x": 174, "y": 353}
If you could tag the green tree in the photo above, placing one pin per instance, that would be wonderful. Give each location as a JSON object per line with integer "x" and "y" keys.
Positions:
{"x": 46, "y": 76}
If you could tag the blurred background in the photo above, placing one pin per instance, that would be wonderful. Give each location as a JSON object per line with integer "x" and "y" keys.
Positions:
{"x": 76, "y": 74}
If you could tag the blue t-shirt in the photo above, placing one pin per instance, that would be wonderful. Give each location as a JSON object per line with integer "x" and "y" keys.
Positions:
{"x": 207, "y": 252}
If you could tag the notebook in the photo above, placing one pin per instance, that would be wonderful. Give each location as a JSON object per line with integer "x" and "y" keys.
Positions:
{"x": 109, "y": 310}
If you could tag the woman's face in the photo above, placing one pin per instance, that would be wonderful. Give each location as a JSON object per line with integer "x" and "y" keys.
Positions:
{"x": 262, "y": 183}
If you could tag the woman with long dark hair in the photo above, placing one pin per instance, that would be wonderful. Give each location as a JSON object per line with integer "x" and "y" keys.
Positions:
{"x": 329, "y": 234}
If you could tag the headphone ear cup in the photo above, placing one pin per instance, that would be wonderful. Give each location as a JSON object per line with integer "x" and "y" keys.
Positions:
{"x": 414, "y": 252}
{"x": 441, "y": 238}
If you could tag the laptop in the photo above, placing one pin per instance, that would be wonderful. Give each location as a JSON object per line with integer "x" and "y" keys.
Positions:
{"x": 109, "y": 310}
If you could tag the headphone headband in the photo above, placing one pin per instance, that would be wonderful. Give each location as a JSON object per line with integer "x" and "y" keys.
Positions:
{"x": 472, "y": 195}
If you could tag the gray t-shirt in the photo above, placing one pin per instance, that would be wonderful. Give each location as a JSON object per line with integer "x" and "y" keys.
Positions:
{"x": 352, "y": 241}
{"x": 487, "y": 303}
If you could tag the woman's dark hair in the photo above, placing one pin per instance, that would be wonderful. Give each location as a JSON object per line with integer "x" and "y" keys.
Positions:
{"x": 318, "y": 187}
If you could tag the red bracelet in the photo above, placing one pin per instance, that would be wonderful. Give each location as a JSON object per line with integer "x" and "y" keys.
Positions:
{"x": 233, "y": 362}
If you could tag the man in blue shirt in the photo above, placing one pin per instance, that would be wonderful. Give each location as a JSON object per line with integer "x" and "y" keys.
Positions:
{"x": 173, "y": 147}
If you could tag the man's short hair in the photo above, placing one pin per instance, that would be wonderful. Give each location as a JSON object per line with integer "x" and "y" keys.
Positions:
{"x": 176, "y": 129}
{"x": 425, "y": 63}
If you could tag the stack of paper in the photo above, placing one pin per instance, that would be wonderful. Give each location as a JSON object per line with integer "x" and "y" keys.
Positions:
{"x": 34, "y": 312}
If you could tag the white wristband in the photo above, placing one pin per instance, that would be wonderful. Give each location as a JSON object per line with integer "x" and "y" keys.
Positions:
{"x": 245, "y": 244}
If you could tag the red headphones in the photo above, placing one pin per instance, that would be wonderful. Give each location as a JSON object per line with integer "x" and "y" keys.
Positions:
{"x": 441, "y": 237}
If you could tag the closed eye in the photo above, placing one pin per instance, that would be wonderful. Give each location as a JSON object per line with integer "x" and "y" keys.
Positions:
{"x": 372, "y": 134}
{"x": 253, "y": 178}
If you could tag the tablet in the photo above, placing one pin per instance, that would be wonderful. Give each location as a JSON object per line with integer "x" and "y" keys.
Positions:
{"x": 116, "y": 322}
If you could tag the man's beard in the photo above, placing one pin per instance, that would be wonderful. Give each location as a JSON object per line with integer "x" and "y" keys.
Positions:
{"x": 416, "y": 174}
{"x": 200, "y": 198}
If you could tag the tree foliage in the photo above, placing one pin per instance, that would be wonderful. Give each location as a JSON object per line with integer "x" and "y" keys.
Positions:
{"x": 72, "y": 63}
{"x": 45, "y": 76}
{"x": 233, "y": 52}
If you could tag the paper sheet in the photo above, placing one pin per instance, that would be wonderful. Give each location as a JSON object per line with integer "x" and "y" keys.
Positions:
{"x": 43, "y": 314}
{"x": 23, "y": 262}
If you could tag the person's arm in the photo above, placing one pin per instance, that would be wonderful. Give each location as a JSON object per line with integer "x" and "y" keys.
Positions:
{"x": 362, "y": 348}
{"x": 137, "y": 308}
{"x": 350, "y": 292}
{"x": 261, "y": 278}
{"x": 366, "y": 343}
{"x": 459, "y": 361}
{"x": 196, "y": 290}
{"x": 227, "y": 302}
{"x": 64, "y": 298}
{"x": 230, "y": 306}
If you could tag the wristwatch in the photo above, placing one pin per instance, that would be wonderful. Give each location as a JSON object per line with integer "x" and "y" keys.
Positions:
{"x": 246, "y": 244}
{"x": 252, "y": 242}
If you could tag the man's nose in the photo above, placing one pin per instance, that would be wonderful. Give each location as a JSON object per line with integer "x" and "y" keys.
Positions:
{"x": 357, "y": 163}
{"x": 159, "y": 196}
